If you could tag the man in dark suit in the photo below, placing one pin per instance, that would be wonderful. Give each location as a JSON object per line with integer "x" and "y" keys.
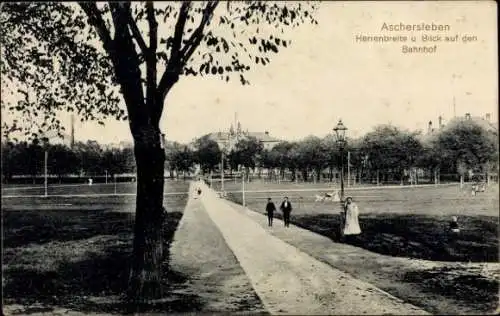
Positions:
{"x": 286, "y": 208}
{"x": 270, "y": 208}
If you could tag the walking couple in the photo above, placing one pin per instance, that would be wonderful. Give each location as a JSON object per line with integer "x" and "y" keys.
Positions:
{"x": 285, "y": 207}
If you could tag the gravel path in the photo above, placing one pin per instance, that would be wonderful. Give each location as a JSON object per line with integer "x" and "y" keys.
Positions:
{"x": 289, "y": 281}
{"x": 215, "y": 277}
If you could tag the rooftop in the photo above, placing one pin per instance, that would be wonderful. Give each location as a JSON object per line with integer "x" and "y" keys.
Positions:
{"x": 483, "y": 121}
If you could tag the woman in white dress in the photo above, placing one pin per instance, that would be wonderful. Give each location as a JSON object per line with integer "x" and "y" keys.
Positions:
{"x": 351, "y": 221}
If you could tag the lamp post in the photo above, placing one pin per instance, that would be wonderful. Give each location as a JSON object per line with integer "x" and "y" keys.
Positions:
{"x": 226, "y": 146}
{"x": 46, "y": 138}
{"x": 222, "y": 172}
{"x": 45, "y": 178}
{"x": 340, "y": 130}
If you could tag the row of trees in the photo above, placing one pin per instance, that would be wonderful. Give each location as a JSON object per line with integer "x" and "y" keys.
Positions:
{"x": 83, "y": 159}
{"x": 386, "y": 154}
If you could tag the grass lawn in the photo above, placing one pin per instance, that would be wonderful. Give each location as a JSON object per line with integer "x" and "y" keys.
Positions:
{"x": 404, "y": 222}
{"x": 74, "y": 252}
{"x": 127, "y": 188}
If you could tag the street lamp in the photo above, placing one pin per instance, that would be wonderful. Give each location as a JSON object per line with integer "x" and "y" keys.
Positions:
{"x": 340, "y": 130}
{"x": 222, "y": 171}
{"x": 226, "y": 147}
{"x": 46, "y": 138}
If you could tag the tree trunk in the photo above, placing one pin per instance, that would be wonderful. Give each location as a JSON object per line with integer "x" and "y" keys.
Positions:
{"x": 145, "y": 275}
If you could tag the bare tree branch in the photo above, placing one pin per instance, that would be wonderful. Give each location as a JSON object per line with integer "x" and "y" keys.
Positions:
{"x": 136, "y": 33}
{"x": 127, "y": 62}
{"x": 195, "y": 39}
{"x": 96, "y": 20}
{"x": 153, "y": 26}
{"x": 156, "y": 107}
{"x": 171, "y": 74}
{"x": 179, "y": 29}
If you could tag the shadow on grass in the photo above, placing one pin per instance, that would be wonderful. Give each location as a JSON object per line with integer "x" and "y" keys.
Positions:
{"x": 415, "y": 236}
{"x": 83, "y": 269}
{"x": 24, "y": 227}
{"x": 455, "y": 283}
{"x": 410, "y": 235}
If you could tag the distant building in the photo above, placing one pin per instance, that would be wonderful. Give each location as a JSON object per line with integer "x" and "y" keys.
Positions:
{"x": 120, "y": 145}
{"x": 484, "y": 121}
{"x": 62, "y": 139}
{"x": 54, "y": 138}
{"x": 229, "y": 139}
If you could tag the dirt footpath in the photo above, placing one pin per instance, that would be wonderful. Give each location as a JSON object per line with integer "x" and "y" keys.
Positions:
{"x": 215, "y": 280}
{"x": 289, "y": 281}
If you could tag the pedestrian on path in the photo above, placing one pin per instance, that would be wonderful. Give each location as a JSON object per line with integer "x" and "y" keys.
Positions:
{"x": 270, "y": 208}
{"x": 286, "y": 208}
{"x": 197, "y": 192}
{"x": 453, "y": 225}
{"x": 351, "y": 222}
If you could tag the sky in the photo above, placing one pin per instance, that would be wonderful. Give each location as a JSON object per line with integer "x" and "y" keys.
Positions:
{"x": 325, "y": 75}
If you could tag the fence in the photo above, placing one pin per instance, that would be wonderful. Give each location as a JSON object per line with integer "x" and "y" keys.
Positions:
{"x": 70, "y": 179}
{"x": 82, "y": 179}
{"x": 352, "y": 181}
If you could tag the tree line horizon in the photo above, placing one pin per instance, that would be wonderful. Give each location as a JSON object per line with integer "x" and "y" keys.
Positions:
{"x": 386, "y": 153}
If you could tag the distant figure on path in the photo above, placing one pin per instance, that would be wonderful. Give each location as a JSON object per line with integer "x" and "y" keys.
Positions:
{"x": 454, "y": 225}
{"x": 197, "y": 192}
{"x": 90, "y": 181}
{"x": 474, "y": 190}
{"x": 286, "y": 208}
{"x": 270, "y": 208}
{"x": 351, "y": 214}
{"x": 453, "y": 231}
